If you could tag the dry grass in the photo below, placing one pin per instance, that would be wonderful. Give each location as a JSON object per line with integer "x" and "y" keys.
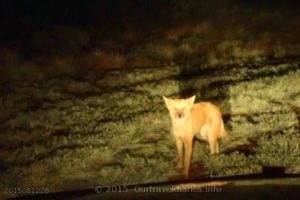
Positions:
{"x": 114, "y": 128}
{"x": 66, "y": 127}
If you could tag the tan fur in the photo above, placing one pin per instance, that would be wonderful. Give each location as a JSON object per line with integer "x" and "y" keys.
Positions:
{"x": 203, "y": 120}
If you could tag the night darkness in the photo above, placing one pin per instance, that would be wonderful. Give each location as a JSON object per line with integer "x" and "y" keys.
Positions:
{"x": 19, "y": 20}
{"x": 81, "y": 87}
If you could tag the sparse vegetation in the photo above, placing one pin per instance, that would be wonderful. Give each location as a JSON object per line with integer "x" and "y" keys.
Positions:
{"x": 112, "y": 128}
{"x": 89, "y": 112}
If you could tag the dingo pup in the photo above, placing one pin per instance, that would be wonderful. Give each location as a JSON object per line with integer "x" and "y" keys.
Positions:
{"x": 203, "y": 120}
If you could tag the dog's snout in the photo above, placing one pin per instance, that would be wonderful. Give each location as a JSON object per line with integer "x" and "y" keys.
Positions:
{"x": 179, "y": 114}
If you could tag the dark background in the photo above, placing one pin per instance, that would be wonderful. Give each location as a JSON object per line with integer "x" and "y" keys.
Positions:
{"x": 20, "y": 19}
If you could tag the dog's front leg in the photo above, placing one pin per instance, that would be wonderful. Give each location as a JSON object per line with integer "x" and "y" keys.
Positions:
{"x": 180, "y": 152}
{"x": 188, "y": 145}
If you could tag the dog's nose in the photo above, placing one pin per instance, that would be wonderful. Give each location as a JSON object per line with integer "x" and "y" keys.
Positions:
{"x": 179, "y": 115}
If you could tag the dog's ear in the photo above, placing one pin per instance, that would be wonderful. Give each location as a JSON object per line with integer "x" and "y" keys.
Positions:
{"x": 191, "y": 100}
{"x": 168, "y": 102}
